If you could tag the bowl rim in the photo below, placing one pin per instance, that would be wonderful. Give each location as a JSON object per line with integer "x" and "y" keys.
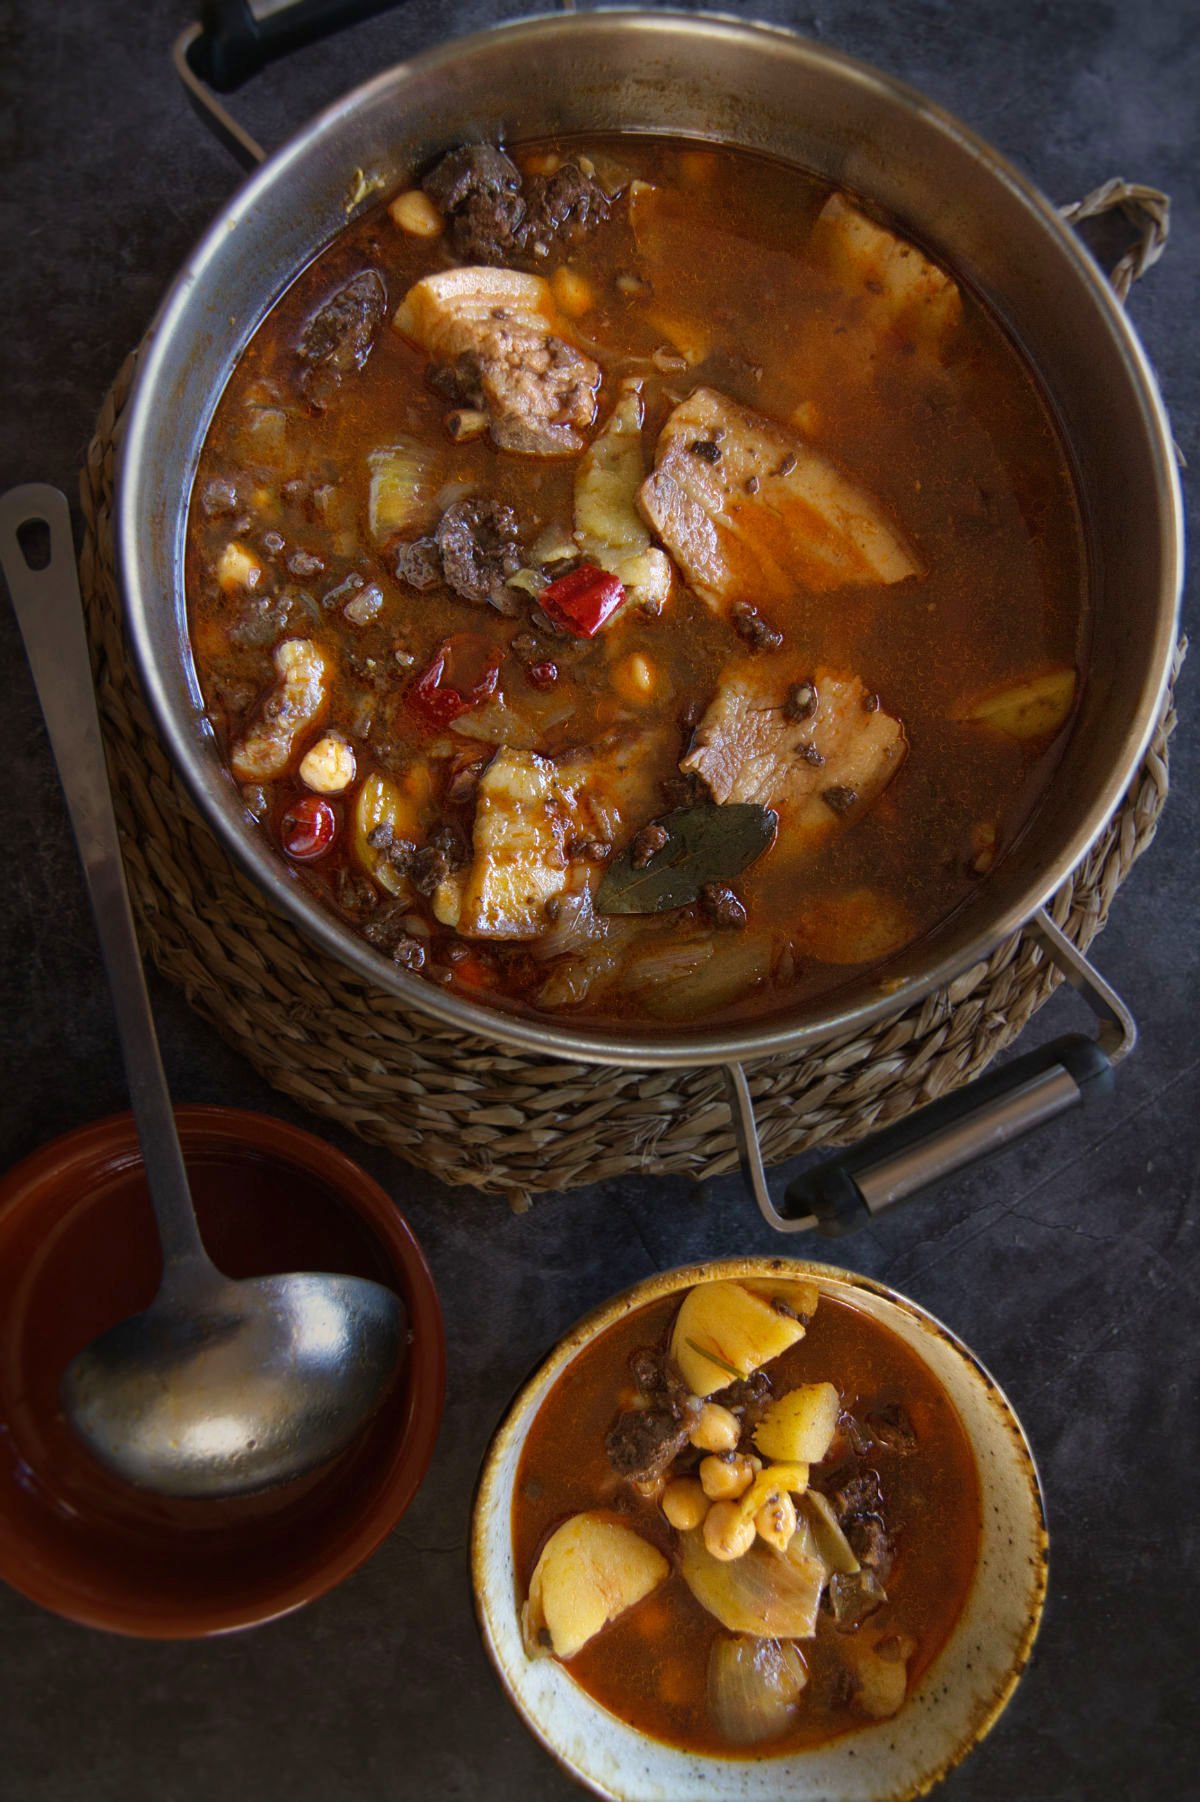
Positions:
{"x": 683, "y": 1276}
{"x": 114, "y": 1139}
{"x": 933, "y": 965}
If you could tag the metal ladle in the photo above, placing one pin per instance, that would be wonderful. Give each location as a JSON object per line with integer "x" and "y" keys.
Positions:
{"x": 220, "y": 1388}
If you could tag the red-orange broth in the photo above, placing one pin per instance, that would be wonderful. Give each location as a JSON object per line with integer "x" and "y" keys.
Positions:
{"x": 723, "y": 287}
{"x": 649, "y": 1666}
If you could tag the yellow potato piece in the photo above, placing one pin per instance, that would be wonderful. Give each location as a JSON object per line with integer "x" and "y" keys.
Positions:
{"x": 591, "y": 1570}
{"x": 1035, "y": 708}
{"x": 723, "y": 1332}
{"x": 380, "y": 803}
{"x": 798, "y": 1427}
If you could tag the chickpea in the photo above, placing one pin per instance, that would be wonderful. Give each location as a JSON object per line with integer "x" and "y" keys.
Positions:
{"x": 726, "y": 1533}
{"x": 572, "y": 291}
{"x": 416, "y": 214}
{"x": 716, "y": 1429}
{"x": 776, "y": 1520}
{"x": 328, "y": 766}
{"x": 684, "y": 1503}
{"x": 725, "y": 1476}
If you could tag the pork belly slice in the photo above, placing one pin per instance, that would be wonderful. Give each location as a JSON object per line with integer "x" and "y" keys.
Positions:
{"x": 498, "y": 334}
{"x": 518, "y": 860}
{"x": 893, "y": 282}
{"x": 750, "y": 512}
{"x": 819, "y": 766}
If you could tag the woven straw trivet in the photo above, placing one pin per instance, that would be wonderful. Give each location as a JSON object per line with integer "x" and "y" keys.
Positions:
{"x": 472, "y": 1113}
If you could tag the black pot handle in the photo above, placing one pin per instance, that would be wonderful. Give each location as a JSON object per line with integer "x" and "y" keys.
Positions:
{"x": 240, "y": 37}
{"x": 905, "y": 1160}
{"x": 236, "y": 38}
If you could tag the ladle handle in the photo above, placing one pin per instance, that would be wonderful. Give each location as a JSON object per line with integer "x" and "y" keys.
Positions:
{"x": 45, "y": 597}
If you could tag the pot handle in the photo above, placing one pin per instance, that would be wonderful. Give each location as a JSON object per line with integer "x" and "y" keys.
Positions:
{"x": 234, "y": 39}
{"x": 1149, "y": 209}
{"x": 847, "y": 1191}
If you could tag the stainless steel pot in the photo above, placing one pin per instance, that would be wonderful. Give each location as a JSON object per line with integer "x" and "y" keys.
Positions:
{"x": 767, "y": 90}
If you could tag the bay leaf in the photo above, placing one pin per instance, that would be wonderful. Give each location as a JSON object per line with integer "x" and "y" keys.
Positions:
{"x": 705, "y": 843}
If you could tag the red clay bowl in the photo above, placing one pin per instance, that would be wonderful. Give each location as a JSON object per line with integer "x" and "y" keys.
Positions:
{"x": 78, "y": 1252}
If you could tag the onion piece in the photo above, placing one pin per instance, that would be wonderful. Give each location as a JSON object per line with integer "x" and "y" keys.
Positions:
{"x": 764, "y": 1592}
{"x": 830, "y": 1542}
{"x": 753, "y": 1687}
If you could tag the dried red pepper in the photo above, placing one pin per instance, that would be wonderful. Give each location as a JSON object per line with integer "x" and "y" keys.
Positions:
{"x": 440, "y": 701}
{"x": 583, "y": 600}
{"x": 308, "y": 829}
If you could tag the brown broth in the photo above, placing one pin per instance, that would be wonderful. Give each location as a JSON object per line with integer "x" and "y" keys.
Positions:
{"x": 649, "y": 1666}
{"x": 961, "y": 450}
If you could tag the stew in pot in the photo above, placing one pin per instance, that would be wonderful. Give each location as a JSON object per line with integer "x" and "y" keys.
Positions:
{"x": 631, "y": 581}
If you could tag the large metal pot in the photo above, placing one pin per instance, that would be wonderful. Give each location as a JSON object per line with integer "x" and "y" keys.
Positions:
{"x": 767, "y": 90}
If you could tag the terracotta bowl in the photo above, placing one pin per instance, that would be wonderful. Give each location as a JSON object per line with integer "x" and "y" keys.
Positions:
{"x": 78, "y": 1252}
{"x": 954, "y": 1702}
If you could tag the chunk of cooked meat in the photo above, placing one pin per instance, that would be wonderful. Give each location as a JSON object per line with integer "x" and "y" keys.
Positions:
{"x": 645, "y": 1442}
{"x": 496, "y": 217}
{"x": 338, "y": 338}
{"x": 538, "y": 389}
{"x": 518, "y": 856}
{"x": 769, "y": 516}
{"x": 469, "y": 171}
{"x": 297, "y": 701}
{"x": 818, "y": 773}
{"x": 609, "y": 530}
{"x": 893, "y": 282}
{"x": 479, "y": 543}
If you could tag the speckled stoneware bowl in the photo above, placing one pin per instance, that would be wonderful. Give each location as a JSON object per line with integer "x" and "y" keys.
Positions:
{"x": 955, "y": 1702}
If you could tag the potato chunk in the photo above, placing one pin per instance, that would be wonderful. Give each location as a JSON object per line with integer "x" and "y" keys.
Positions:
{"x": 609, "y": 530}
{"x": 798, "y": 1427}
{"x": 722, "y": 1332}
{"x": 1034, "y": 708}
{"x": 591, "y": 1570}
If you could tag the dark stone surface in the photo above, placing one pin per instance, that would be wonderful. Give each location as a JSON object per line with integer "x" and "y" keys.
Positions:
{"x": 1069, "y": 1263}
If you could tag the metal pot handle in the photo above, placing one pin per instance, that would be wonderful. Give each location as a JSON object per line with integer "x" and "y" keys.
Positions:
{"x": 847, "y": 1191}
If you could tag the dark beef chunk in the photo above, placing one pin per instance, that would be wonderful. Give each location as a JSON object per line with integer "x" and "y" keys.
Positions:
{"x": 644, "y": 1442}
{"x": 487, "y": 228}
{"x": 419, "y": 564}
{"x": 471, "y": 169}
{"x": 892, "y": 1428}
{"x": 338, "y": 338}
{"x": 854, "y": 1597}
{"x": 479, "y": 544}
{"x": 388, "y": 934}
{"x": 860, "y": 1494}
{"x": 444, "y": 853}
{"x": 721, "y": 905}
{"x": 355, "y": 895}
{"x": 748, "y": 1399}
{"x": 460, "y": 381}
{"x": 561, "y": 204}
{"x": 868, "y": 1540}
{"x": 496, "y": 218}
{"x": 648, "y": 1368}
{"x": 856, "y": 1435}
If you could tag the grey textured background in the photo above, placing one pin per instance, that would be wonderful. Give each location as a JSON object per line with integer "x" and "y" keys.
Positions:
{"x": 1069, "y": 1263}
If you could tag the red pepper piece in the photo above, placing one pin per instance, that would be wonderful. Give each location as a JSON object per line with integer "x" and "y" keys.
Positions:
{"x": 583, "y": 600}
{"x": 441, "y": 702}
{"x": 308, "y": 829}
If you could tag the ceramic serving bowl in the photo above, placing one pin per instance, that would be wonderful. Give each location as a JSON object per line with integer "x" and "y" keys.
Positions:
{"x": 78, "y": 1252}
{"x": 954, "y": 1703}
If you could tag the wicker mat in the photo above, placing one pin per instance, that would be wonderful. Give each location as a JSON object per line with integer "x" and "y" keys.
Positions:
{"x": 471, "y": 1113}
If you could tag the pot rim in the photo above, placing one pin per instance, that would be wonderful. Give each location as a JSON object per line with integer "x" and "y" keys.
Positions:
{"x": 684, "y": 1276}
{"x": 701, "y": 1046}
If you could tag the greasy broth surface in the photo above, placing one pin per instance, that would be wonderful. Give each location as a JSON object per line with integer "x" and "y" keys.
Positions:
{"x": 650, "y": 1665}
{"x": 960, "y": 452}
